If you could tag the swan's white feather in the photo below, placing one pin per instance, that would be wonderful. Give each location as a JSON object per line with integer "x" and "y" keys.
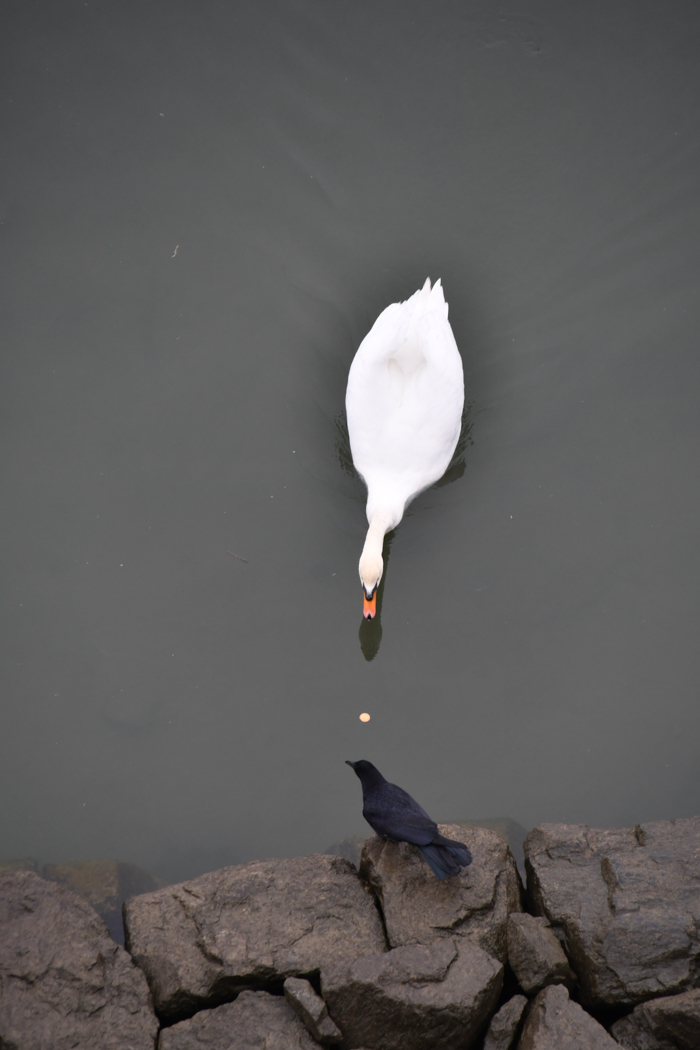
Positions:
{"x": 404, "y": 402}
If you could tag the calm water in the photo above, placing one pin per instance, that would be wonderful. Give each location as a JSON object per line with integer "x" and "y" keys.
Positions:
{"x": 204, "y": 206}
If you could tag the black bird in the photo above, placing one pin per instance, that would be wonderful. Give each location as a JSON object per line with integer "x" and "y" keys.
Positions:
{"x": 393, "y": 814}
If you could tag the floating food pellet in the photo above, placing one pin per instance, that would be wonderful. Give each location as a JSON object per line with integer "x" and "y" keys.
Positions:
{"x": 364, "y": 717}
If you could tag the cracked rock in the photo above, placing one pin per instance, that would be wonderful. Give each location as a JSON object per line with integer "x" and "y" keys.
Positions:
{"x": 312, "y": 1010}
{"x": 202, "y": 941}
{"x": 669, "y": 1023}
{"x": 255, "y": 1021}
{"x": 415, "y": 997}
{"x": 554, "y": 1022}
{"x": 535, "y": 954}
{"x": 627, "y": 902}
{"x": 473, "y": 906}
{"x": 64, "y": 982}
{"x": 505, "y": 1024}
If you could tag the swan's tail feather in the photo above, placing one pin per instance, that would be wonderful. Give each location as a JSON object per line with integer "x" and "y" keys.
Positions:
{"x": 437, "y": 297}
{"x": 399, "y": 321}
{"x": 427, "y": 300}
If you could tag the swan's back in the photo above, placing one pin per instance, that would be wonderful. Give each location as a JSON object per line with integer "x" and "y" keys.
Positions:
{"x": 404, "y": 400}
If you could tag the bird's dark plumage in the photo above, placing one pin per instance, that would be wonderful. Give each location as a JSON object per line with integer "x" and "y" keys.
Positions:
{"x": 393, "y": 814}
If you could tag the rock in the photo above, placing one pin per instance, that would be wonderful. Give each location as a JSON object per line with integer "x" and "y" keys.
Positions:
{"x": 627, "y": 902}
{"x": 555, "y": 1023}
{"x": 312, "y": 1010}
{"x": 670, "y": 1023}
{"x": 21, "y": 864}
{"x": 509, "y": 830}
{"x": 255, "y": 1021}
{"x": 105, "y": 884}
{"x": 535, "y": 955}
{"x": 252, "y": 925}
{"x": 417, "y": 907}
{"x": 63, "y": 981}
{"x": 504, "y": 1026}
{"x": 416, "y": 997}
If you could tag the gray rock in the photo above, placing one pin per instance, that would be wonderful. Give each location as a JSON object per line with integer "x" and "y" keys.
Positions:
{"x": 509, "y": 830}
{"x": 473, "y": 906}
{"x": 504, "y": 1026}
{"x": 202, "y": 941}
{"x": 627, "y": 902}
{"x": 415, "y": 997}
{"x": 669, "y": 1023}
{"x": 555, "y": 1023}
{"x": 312, "y": 1010}
{"x": 64, "y": 982}
{"x": 105, "y": 884}
{"x": 255, "y": 1021}
{"x": 535, "y": 955}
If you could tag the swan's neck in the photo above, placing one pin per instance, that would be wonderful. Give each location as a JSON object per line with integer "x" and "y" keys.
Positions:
{"x": 374, "y": 541}
{"x": 371, "y": 563}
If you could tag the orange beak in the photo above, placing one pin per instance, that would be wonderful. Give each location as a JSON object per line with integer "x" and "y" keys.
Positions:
{"x": 370, "y": 606}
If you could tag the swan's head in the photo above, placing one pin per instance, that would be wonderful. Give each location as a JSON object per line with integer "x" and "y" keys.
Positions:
{"x": 371, "y": 569}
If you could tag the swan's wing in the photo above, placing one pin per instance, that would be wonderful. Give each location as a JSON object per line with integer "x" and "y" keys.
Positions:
{"x": 396, "y": 323}
{"x": 437, "y": 344}
{"x": 385, "y": 336}
{"x": 404, "y": 399}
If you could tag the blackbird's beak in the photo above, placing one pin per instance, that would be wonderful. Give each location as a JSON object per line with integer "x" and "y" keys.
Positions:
{"x": 349, "y": 763}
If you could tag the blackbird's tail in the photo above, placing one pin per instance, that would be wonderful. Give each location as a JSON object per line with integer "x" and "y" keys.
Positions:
{"x": 446, "y": 857}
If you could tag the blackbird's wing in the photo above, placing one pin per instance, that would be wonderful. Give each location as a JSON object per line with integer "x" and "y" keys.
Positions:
{"x": 401, "y": 828}
{"x": 394, "y": 814}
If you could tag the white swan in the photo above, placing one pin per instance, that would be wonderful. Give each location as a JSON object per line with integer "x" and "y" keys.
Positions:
{"x": 404, "y": 407}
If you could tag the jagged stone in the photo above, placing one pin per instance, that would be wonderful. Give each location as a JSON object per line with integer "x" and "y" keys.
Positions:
{"x": 554, "y": 1022}
{"x": 535, "y": 955}
{"x": 255, "y": 1021}
{"x": 504, "y": 1025}
{"x": 669, "y": 1023}
{"x": 202, "y": 941}
{"x": 64, "y": 982}
{"x": 473, "y": 906}
{"x": 509, "y": 830}
{"x": 312, "y": 1010}
{"x": 416, "y": 997}
{"x": 627, "y": 902}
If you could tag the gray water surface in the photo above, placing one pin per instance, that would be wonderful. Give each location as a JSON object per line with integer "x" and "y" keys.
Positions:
{"x": 204, "y": 206}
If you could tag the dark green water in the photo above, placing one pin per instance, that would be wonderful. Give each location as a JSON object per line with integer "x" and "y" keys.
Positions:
{"x": 204, "y": 207}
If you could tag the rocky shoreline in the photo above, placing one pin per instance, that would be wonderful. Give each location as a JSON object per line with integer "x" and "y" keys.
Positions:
{"x": 600, "y": 949}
